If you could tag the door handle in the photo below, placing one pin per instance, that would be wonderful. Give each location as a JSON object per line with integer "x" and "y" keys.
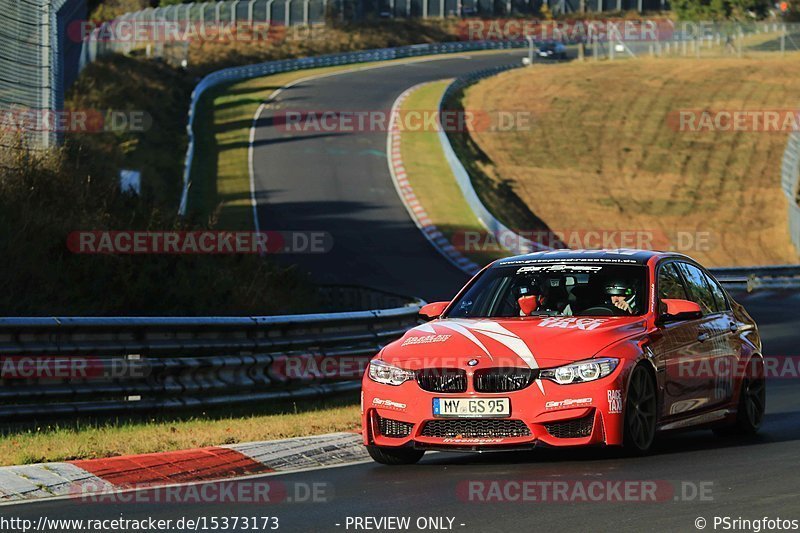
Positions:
{"x": 703, "y": 337}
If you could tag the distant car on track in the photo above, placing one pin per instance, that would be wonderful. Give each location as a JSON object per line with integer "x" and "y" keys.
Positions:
{"x": 552, "y": 50}
{"x": 568, "y": 348}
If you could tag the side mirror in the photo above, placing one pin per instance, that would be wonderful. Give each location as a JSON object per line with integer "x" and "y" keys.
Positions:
{"x": 680, "y": 310}
{"x": 433, "y": 310}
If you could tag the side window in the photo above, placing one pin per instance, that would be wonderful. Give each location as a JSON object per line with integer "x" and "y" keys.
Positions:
{"x": 699, "y": 289}
{"x": 719, "y": 294}
{"x": 670, "y": 285}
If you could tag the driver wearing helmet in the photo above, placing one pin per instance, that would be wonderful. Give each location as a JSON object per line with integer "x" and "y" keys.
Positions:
{"x": 623, "y": 296}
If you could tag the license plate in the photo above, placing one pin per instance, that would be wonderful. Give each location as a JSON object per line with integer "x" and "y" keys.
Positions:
{"x": 472, "y": 407}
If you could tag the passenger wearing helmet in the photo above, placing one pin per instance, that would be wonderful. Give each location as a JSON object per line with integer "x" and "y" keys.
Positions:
{"x": 623, "y": 296}
{"x": 530, "y": 297}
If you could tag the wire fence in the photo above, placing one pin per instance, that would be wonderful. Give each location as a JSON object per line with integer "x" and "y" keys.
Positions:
{"x": 38, "y": 61}
{"x": 24, "y": 61}
{"x": 703, "y": 40}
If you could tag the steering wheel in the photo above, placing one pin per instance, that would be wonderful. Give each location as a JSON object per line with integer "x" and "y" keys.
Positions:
{"x": 601, "y": 310}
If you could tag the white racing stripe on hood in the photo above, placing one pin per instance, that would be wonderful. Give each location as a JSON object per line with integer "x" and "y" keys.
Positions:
{"x": 510, "y": 340}
{"x": 494, "y": 331}
{"x": 458, "y": 328}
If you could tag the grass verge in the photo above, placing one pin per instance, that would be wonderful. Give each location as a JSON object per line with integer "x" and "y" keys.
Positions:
{"x": 431, "y": 178}
{"x": 602, "y": 153}
{"x": 92, "y": 439}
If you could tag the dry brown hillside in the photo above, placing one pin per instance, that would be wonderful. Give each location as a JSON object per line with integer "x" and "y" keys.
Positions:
{"x": 604, "y": 154}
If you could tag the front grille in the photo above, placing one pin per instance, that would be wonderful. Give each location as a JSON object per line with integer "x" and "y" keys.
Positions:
{"x": 571, "y": 429}
{"x": 475, "y": 428}
{"x": 503, "y": 379}
{"x": 394, "y": 429}
{"x": 442, "y": 380}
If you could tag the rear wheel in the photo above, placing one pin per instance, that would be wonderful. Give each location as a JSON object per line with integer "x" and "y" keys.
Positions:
{"x": 395, "y": 456}
{"x": 752, "y": 402}
{"x": 640, "y": 412}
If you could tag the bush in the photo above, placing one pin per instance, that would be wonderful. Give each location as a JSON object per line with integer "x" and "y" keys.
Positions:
{"x": 44, "y": 197}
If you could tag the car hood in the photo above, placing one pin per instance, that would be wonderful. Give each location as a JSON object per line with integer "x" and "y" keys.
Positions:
{"x": 533, "y": 342}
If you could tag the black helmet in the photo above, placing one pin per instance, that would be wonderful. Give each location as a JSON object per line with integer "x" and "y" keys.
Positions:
{"x": 528, "y": 286}
{"x": 619, "y": 287}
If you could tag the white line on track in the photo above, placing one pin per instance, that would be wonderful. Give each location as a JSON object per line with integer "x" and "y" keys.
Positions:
{"x": 274, "y": 95}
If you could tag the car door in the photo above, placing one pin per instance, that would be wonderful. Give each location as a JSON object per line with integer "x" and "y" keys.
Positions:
{"x": 677, "y": 349}
{"x": 715, "y": 368}
{"x": 727, "y": 357}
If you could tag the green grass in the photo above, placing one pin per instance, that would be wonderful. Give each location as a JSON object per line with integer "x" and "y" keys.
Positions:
{"x": 97, "y": 439}
{"x": 432, "y": 179}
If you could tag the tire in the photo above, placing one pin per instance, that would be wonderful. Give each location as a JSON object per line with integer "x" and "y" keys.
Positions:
{"x": 640, "y": 412}
{"x": 395, "y": 456}
{"x": 752, "y": 402}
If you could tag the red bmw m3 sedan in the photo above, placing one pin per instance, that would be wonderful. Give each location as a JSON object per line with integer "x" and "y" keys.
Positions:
{"x": 567, "y": 348}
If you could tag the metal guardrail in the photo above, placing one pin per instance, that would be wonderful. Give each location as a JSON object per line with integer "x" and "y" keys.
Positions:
{"x": 759, "y": 278}
{"x": 68, "y": 366}
{"x": 520, "y": 244}
{"x": 234, "y": 74}
{"x": 80, "y": 366}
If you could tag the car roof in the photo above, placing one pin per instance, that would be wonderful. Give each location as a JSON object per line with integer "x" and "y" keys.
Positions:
{"x": 619, "y": 256}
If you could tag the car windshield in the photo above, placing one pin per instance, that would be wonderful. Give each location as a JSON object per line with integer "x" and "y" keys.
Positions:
{"x": 555, "y": 289}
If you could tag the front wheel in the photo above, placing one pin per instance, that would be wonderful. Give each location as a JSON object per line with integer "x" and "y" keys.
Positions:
{"x": 395, "y": 456}
{"x": 640, "y": 412}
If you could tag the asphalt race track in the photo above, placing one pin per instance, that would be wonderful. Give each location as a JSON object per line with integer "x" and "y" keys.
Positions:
{"x": 747, "y": 478}
{"x": 340, "y": 183}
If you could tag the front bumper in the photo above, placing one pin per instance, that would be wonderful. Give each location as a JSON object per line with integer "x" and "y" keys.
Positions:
{"x": 582, "y": 414}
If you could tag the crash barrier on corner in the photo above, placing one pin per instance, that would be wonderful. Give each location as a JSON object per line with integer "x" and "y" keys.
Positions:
{"x": 519, "y": 245}
{"x": 234, "y": 74}
{"x": 759, "y": 278}
{"x": 78, "y": 366}
{"x": 69, "y": 366}
{"x": 790, "y": 180}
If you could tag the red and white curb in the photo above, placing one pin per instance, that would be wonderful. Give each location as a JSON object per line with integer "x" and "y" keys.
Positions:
{"x": 406, "y": 192}
{"x": 102, "y": 476}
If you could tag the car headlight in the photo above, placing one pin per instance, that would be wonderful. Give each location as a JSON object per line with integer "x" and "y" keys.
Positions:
{"x": 580, "y": 372}
{"x": 388, "y": 374}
